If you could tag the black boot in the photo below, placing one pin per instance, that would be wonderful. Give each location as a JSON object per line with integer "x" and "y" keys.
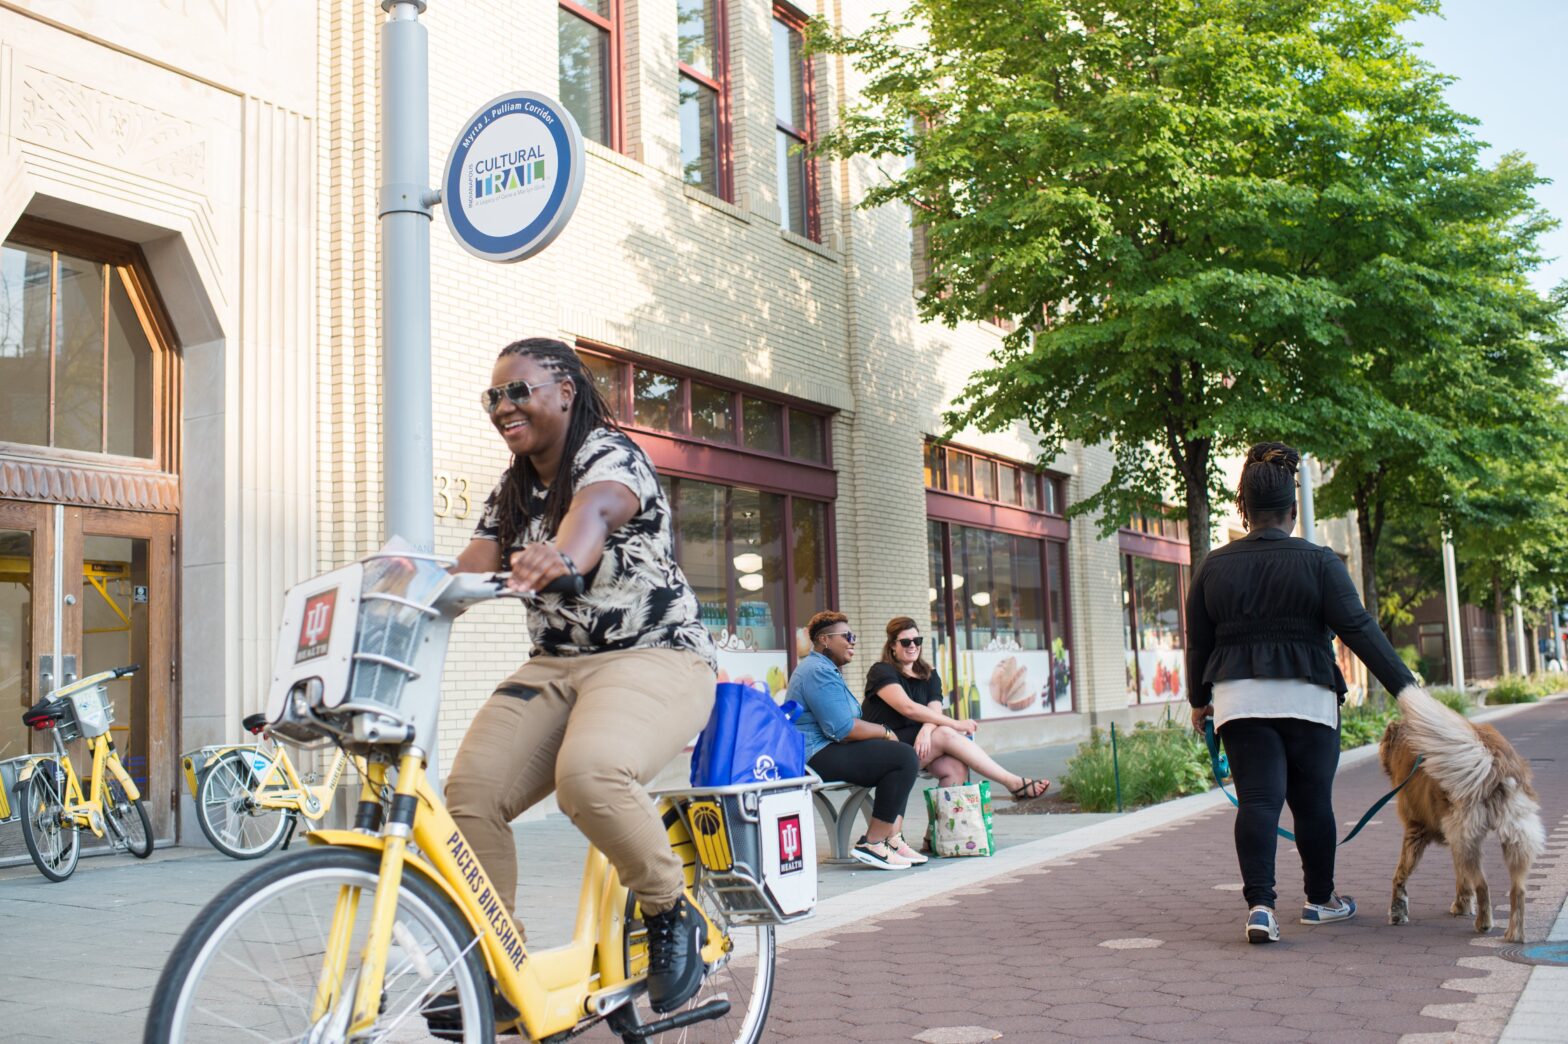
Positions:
{"x": 675, "y": 941}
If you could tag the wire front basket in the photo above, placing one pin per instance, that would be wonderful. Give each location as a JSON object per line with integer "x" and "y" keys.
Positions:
{"x": 395, "y": 616}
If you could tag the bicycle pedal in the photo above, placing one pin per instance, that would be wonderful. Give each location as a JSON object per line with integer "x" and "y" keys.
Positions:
{"x": 714, "y": 1009}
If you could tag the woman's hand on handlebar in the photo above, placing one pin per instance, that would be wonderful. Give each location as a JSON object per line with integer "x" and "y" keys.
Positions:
{"x": 534, "y": 567}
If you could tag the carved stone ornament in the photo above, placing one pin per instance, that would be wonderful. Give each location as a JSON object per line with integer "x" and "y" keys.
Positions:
{"x": 89, "y": 487}
{"x": 125, "y": 134}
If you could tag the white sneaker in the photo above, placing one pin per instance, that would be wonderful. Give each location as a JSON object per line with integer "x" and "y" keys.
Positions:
{"x": 1261, "y": 925}
{"x": 904, "y": 852}
{"x": 1338, "y": 908}
{"x": 878, "y": 854}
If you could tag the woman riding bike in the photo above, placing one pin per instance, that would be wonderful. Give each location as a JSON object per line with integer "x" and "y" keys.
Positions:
{"x": 619, "y": 677}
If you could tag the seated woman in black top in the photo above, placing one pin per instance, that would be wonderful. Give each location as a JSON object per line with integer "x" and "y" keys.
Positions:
{"x": 904, "y": 693}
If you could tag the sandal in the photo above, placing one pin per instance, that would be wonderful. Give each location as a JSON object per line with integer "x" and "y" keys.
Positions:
{"x": 1030, "y": 789}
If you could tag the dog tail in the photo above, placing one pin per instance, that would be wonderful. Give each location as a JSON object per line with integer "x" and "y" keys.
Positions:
{"x": 1452, "y": 753}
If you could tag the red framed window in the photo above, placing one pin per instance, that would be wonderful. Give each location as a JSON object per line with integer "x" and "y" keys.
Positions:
{"x": 590, "y": 67}
{"x": 999, "y": 623}
{"x": 980, "y": 476}
{"x": 702, "y": 41}
{"x": 795, "y": 123}
{"x": 750, "y": 480}
{"x": 1156, "y": 559}
{"x": 999, "y": 591}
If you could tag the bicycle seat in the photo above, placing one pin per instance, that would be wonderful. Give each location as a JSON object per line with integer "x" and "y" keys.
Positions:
{"x": 254, "y": 723}
{"x": 44, "y": 713}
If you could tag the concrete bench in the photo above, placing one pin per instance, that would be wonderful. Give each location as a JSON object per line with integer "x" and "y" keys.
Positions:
{"x": 842, "y": 818}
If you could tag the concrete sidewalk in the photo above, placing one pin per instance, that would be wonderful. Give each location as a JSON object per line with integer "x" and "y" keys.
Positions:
{"x": 987, "y": 943}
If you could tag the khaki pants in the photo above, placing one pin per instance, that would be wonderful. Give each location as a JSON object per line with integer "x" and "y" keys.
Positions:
{"x": 593, "y": 729}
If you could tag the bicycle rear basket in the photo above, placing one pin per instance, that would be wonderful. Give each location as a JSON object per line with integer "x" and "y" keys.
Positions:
{"x": 10, "y": 809}
{"x": 757, "y": 844}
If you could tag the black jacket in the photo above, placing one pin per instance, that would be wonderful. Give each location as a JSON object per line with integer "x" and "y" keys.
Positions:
{"x": 1267, "y": 606}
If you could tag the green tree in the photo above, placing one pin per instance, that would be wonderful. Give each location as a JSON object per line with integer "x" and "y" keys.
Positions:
{"x": 1450, "y": 376}
{"x": 1182, "y": 203}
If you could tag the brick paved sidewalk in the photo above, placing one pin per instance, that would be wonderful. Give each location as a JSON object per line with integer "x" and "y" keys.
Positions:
{"x": 1142, "y": 939}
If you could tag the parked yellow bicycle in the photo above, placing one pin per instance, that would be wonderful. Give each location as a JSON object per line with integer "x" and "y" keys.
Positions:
{"x": 249, "y": 796}
{"x": 50, "y": 800}
{"x": 378, "y": 930}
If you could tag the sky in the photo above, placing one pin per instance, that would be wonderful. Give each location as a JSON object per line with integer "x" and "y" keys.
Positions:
{"x": 1511, "y": 61}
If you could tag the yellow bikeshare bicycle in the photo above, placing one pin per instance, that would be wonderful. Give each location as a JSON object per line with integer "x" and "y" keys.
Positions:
{"x": 376, "y": 931}
{"x": 50, "y": 799}
{"x": 250, "y": 797}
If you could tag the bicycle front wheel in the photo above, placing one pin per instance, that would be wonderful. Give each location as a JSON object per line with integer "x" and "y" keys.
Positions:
{"x": 54, "y": 843}
{"x": 255, "y": 959}
{"x": 127, "y": 820}
{"x": 228, "y": 813}
{"x": 743, "y": 976}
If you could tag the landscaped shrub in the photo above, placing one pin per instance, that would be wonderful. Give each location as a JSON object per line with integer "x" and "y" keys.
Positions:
{"x": 1452, "y": 698}
{"x": 1363, "y": 724}
{"x": 1513, "y": 689}
{"x": 1158, "y": 762}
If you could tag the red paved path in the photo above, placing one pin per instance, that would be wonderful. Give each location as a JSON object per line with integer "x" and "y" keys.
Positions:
{"x": 1022, "y": 956}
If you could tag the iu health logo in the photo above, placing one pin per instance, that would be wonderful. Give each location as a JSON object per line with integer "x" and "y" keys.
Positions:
{"x": 791, "y": 856}
{"x": 315, "y": 630}
{"x": 508, "y": 173}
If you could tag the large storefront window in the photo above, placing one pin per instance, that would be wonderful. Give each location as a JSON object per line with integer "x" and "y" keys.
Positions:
{"x": 998, "y": 586}
{"x": 748, "y": 479}
{"x": 755, "y": 591}
{"x": 1154, "y": 592}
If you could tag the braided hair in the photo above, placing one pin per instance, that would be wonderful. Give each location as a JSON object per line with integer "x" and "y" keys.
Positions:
{"x": 1267, "y": 489}
{"x": 589, "y": 413}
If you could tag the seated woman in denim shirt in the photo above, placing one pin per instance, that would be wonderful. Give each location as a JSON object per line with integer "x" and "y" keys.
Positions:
{"x": 840, "y": 747}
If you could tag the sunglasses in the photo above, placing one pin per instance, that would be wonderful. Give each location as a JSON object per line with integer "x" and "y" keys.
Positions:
{"x": 848, "y": 636}
{"x": 515, "y": 392}
{"x": 911, "y": 643}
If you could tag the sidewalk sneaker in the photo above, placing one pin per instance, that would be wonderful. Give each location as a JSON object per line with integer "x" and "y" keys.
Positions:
{"x": 1261, "y": 925}
{"x": 1339, "y": 908}
{"x": 907, "y": 854}
{"x": 879, "y": 855}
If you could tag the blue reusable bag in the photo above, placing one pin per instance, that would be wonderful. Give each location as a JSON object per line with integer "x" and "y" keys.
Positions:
{"x": 748, "y": 739}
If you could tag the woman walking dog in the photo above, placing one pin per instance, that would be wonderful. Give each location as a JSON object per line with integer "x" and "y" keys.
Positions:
{"x": 1259, "y": 615}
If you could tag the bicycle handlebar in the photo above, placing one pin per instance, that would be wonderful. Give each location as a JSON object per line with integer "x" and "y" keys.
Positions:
{"x": 121, "y": 672}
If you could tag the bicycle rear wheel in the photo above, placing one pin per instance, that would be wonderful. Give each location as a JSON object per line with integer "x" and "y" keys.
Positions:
{"x": 54, "y": 845}
{"x": 253, "y": 959}
{"x": 743, "y": 976}
{"x": 228, "y": 813}
{"x": 127, "y": 820}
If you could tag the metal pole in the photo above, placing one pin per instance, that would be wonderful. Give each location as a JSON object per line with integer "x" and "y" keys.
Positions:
{"x": 1309, "y": 521}
{"x": 1519, "y": 644}
{"x": 1116, "y": 768}
{"x": 407, "y": 460}
{"x": 1456, "y": 654}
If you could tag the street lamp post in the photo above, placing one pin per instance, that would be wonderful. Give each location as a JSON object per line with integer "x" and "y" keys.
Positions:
{"x": 1456, "y": 652}
{"x": 403, "y": 204}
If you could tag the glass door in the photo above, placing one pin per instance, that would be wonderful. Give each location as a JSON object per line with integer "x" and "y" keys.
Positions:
{"x": 83, "y": 590}
{"x": 121, "y": 563}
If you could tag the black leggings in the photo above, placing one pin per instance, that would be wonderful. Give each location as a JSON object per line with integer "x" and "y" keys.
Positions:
{"x": 889, "y": 768}
{"x": 1277, "y": 761}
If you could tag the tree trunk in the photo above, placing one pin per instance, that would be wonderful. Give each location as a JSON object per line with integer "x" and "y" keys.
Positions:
{"x": 1369, "y": 536}
{"x": 1499, "y": 610}
{"x": 1195, "y": 477}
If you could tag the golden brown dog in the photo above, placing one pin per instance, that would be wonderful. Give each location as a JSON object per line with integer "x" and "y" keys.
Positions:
{"x": 1470, "y": 783}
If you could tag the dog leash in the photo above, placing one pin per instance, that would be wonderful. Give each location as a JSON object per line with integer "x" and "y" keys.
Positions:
{"x": 1220, "y": 765}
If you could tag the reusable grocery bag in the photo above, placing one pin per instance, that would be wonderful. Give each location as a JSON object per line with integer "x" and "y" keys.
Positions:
{"x": 961, "y": 819}
{"x": 748, "y": 739}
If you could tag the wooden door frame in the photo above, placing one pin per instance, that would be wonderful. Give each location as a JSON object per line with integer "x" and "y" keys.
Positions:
{"x": 37, "y": 519}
